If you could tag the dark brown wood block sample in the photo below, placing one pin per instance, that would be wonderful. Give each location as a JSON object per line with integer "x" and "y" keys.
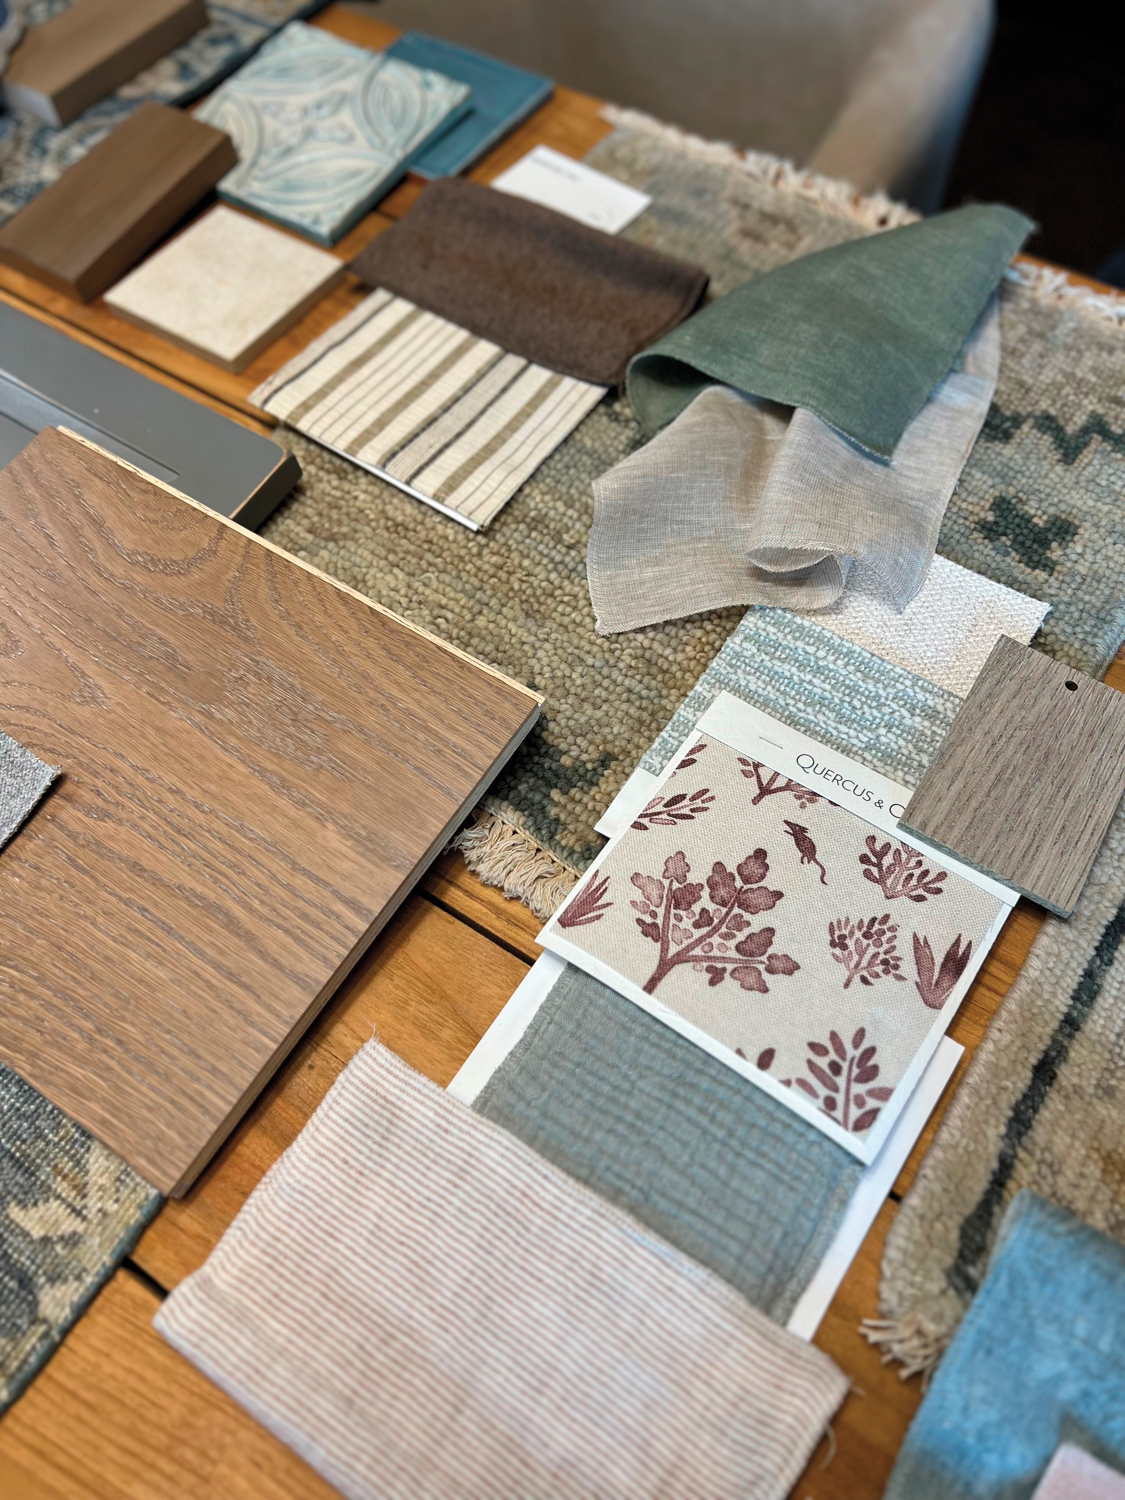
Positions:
{"x": 88, "y": 50}
{"x": 259, "y": 764}
{"x": 106, "y": 211}
{"x": 1029, "y": 776}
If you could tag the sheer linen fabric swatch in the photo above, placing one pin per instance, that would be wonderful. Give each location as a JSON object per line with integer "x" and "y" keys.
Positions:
{"x": 536, "y": 282}
{"x": 783, "y": 927}
{"x": 672, "y": 1136}
{"x": 741, "y": 501}
{"x": 859, "y": 334}
{"x": 24, "y": 779}
{"x": 1039, "y": 1357}
{"x": 1074, "y": 1474}
{"x": 477, "y": 1324}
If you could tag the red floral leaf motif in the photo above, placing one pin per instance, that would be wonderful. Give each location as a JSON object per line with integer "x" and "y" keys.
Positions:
{"x": 704, "y": 918}
{"x": 866, "y": 1075}
{"x": 880, "y": 1093}
{"x": 701, "y": 793}
{"x": 736, "y": 922}
{"x": 675, "y": 801}
{"x": 865, "y": 1121}
{"x": 689, "y": 758}
{"x": 830, "y": 1105}
{"x": 857, "y": 1040}
{"x": 678, "y": 937}
{"x": 721, "y": 884}
{"x": 756, "y": 944}
{"x": 650, "y": 888}
{"x": 650, "y": 930}
{"x": 588, "y": 906}
{"x": 954, "y": 964}
{"x": 750, "y": 977}
{"x": 864, "y": 1057}
{"x": 818, "y": 1049}
{"x": 641, "y": 906}
{"x": 765, "y": 1058}
{"x": 756, "y": 898}
{"x": 838, "y": 1047}
{"x": 754, "y": 868}
{"x": 781, "y": 963}
{"x": 822, "y": 1076}
{"x": 715, "y": 975}
{"x": 676, "y": 868}
{"x": 684, "y": 897}
{"x": 803, "y": 1083}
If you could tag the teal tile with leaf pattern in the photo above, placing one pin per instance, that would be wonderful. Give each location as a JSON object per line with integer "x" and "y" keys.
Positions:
{"x": 323, "y": 128}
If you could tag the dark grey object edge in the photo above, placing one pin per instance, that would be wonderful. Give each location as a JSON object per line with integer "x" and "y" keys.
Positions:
{"x": 50, "y": 380}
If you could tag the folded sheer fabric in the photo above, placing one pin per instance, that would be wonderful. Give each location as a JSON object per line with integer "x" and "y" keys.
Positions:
{"x": 1039, "y": 1357}
{"x": 424, "y": 1309}
{"x": 662, "y": 1129}
{"x": 741, "y": 501}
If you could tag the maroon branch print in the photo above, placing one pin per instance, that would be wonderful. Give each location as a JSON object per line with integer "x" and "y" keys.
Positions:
{"x": 805, "y": 847}
{"x": 681, "y": 807}
{"x": 935, "y": 989}
{"x": 866, "y": 948}
{"x": 692, "y": 756}
{"x": 711, "y": 932}
{"x": 899, "y": 870}
{"x": 770, "y": 783}
{"x": 841, "y": 1081}
{"x": 588, "y": 905}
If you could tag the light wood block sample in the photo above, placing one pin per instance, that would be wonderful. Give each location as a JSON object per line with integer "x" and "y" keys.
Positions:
{"x": 258, "y": 766}
{"x": 1029, "y": 776}
{"x": 113, "y": 205}
{"x": 227, "y": 287}
{"x": 84, "y": 53}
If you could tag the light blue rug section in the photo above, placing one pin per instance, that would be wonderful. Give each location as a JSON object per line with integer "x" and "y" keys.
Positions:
{"x": 810, "y": 679}
{"x": 23, "y": 780}
{"x": 1038, "y": 1360}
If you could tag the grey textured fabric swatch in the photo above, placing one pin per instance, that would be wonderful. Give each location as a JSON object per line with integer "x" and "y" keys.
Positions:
{"x": 23, "y": 780}
{"x": 843, "y": 695}
{"x": 741, "y": 501}
{"x": 670, "y": 1134}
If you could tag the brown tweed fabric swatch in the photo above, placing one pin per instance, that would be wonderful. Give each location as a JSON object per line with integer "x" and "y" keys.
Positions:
{"x": 535, "y": 282}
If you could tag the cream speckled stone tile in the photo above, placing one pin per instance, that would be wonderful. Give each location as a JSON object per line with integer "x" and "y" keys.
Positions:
{"x": 227, "y": 287}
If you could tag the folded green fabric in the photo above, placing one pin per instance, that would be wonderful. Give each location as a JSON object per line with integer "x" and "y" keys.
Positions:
{"x": 860, "y": 333}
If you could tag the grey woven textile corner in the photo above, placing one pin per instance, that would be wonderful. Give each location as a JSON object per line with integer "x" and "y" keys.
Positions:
{"x": 69, "y": 1212}
{"x": 670, "y": 1134}
{"x": 23, "y": 780}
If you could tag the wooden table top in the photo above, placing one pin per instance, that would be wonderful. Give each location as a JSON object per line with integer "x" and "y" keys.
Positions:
{"x": 118, "y": 1415}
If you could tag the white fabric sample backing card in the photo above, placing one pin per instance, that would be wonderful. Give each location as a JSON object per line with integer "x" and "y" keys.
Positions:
{"x": 765, "y": 905}
{"x": 547, "y": 177}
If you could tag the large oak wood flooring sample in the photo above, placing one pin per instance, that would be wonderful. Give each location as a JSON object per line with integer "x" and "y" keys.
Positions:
{"x": 85, "y": 52}
{"x": 1029, "y": 776}
{"x": 258, "y": 764}
{"x": 109, "y": 208}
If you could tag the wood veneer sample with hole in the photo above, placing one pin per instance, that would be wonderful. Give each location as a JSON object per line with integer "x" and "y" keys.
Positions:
{"x": 1029, "y": 776}
{"x": 109, "y": 208}
{"x": 84, "y": 53}
{"x": 258, "y": 766}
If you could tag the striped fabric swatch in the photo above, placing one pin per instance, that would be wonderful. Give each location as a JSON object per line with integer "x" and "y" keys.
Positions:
{"x": 424, "y": 1309}
{"x": 451, "y": 418}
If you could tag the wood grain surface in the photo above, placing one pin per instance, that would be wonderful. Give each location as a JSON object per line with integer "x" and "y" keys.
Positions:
{"x": 1028, "y": 777}
{"x": 85, "y": 230}
{"x": 258, "y": 765}
{"x": 88, "y": 50}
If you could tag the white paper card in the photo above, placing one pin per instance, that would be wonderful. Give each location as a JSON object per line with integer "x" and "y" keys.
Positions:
{"x": 569, "y": 187}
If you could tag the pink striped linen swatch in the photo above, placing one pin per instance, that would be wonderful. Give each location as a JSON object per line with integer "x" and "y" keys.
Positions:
{"x": 424, "y": 1309}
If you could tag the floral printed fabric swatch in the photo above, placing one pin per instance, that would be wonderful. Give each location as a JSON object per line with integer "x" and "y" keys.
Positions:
{"x": 800, "y": 938}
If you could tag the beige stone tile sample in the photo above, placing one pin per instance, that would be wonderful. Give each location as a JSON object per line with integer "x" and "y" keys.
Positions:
{"x": 227, "y": 287}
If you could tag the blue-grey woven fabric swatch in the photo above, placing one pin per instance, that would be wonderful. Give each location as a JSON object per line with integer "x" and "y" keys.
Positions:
{"x": 665, "y": 1131}
{"x": 1039, "y": 1359}
{"x": 842, "y": 695}
{"x": 23, "y": 780}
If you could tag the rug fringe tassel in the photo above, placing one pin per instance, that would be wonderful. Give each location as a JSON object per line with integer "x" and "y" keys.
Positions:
{"x": 872, "y": 210}
{"x": 503, "y": 855}
{"x": 913, "y": 1342}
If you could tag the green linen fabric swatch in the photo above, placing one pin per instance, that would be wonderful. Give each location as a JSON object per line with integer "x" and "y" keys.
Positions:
{"x": 663, "y": 1130}
{"x": 860, "y": 333}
